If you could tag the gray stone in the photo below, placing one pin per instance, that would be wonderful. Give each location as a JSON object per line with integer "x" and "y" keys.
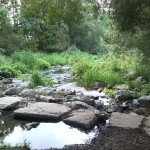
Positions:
{"x": 27, "y": 93}
{"x": 43, "y": 111}
{"x": 29, "y": 126}
{"x": 112, "y": 108}
{"x": 135, "y": 102}
{"x": 140, "y": 79}
{"x": 130, "y": 76}
{"x": 83, "y": 98}
{"x": 82, "y": 118}
{"x": 141, "y": 111}
{"x": 12, "y": 91}
{"x": 81, "y": 105}
{"x": 144, "y": 101}
{"x": 125, "y": 120}
{"x": 102, "y": 117}
{"x": 122, "y": 87}
{"x": 7, "y": 103}
{"x": 98, "y": 104}
{"x": 123, "y": 95}
{"x": 50, "y": 99}
{"x": 147, "y": 125}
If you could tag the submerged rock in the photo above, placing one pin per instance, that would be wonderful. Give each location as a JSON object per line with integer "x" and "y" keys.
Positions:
{"x": 29, "y": 126}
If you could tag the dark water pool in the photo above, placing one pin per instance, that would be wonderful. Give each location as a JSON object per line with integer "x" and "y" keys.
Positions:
{"x": 48, "y": 135}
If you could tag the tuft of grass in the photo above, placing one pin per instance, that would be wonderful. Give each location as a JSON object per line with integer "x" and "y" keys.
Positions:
{"x": 36, "y": 80}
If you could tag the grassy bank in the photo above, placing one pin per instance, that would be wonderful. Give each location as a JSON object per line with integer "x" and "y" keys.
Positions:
{"x": 87, "y": 69}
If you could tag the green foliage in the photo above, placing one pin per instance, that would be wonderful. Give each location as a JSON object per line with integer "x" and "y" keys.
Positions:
{"x": 36, "y": 80}
{"x": 131, "y": 14}
{"x": 26, "y": 61}
{"x": 8, "y": 72}
{"x": 43, "y": 64}
{"x": 56, "y": 59}
{"x": 110, "y": 92}
{"x": 4, "y": 60}
{"x": 10, "y": 41}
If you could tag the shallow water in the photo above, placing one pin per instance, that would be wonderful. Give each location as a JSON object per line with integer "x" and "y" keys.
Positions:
{"x": 47, "y": 135}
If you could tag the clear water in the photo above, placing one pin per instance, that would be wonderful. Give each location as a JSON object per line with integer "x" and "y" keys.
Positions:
{"x": 48, "y": 135}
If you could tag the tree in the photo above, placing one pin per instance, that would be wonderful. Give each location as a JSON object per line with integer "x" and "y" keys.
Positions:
{"x": 40, "y": 18}
{"x": 10, "y": 41}
{"x": 133, "y": 16}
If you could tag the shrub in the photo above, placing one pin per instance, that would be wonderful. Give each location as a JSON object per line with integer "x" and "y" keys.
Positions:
{"x": 8, "y": 72}
{"x": 43, "y": 64}
{"x": 27, "y": 58}
{"x": 21, "y": 67}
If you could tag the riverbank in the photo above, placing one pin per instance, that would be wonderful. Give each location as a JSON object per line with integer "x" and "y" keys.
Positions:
{"x": 115, "y": 138}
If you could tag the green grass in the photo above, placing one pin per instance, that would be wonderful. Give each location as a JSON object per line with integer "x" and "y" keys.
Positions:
{"x": 37, "y": 80}
{"x": 86, "y": 68}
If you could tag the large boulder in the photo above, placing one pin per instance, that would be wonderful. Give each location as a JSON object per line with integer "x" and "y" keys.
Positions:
{"x": 144, "y": 101}
{"x": 42, "y": 111}
{"x": 82, "y": 118}
{"x": 125, "y": 120}
{"x": 8, "y": 103}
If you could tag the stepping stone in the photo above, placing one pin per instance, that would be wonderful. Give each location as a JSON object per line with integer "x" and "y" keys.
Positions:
{"x": 126, "y": 120}
{"x": 43, "y": 111}
{"x": 147, "y": 125}
{"x": 7, "y": 103}
{"x": 82, "y": 118}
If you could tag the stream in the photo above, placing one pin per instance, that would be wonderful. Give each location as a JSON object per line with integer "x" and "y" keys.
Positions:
{"x": 43, "y": 135}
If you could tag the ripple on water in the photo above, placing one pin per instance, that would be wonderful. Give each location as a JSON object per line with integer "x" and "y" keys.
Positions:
{"x": 48, "y": 135}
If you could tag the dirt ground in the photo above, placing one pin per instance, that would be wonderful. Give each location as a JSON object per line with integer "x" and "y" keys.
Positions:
{"x": 115, "y": 138}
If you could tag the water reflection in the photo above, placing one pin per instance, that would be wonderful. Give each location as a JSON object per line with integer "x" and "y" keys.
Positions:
{"x": 48, "y": 135}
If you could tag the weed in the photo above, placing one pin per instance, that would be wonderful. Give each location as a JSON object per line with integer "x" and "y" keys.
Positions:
{"x": 36, "y": 80}
{"x": 110, "y": 92}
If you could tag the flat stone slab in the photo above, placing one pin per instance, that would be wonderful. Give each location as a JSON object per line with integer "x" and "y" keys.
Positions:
{"x": 83, "y": 118}
{"x": 7, "y": 102}
{"x": 147, "y": 125}
{"x": 125, "y": 120}
{"x": 41, "y": 110}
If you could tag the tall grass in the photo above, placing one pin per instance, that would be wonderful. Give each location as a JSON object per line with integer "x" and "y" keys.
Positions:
{"x": 111, "y": 68}
{"x": 86, "y": 68}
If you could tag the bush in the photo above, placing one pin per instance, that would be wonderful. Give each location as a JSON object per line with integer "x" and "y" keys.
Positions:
{"x": 42, "y": 64}
{"x": 8, "y": 72}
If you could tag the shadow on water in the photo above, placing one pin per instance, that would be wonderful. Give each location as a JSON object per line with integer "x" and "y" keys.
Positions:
{"x": 43, "y": 136}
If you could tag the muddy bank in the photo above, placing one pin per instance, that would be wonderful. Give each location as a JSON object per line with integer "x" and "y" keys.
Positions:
{"x": 115, "y": 138}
